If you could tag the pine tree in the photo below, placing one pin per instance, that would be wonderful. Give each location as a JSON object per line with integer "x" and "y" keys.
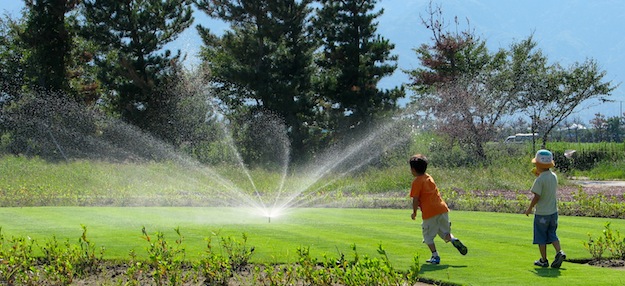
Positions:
{"x": 353, "y": 60}
{"x": 49, "y": 41}
{"x": 263, "y": 63}
{"x": 135, "y": 69}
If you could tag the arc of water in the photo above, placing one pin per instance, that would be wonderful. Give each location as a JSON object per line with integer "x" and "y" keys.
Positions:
{"x": 295, "y": 198}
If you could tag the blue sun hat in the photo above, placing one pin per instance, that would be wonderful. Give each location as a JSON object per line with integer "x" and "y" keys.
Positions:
{"x": 543, "y": 159}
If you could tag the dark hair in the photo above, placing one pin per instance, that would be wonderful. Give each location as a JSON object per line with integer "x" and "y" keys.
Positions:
{"x": 419, "y": 163}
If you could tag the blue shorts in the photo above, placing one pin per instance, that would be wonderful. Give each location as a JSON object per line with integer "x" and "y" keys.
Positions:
{"x": 545, "y": 227}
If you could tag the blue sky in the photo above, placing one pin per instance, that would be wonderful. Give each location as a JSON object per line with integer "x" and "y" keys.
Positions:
{"x": 567, "y": 31}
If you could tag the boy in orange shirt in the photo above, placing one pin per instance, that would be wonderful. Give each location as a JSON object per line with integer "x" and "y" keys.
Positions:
{"x": 434, "y": 211}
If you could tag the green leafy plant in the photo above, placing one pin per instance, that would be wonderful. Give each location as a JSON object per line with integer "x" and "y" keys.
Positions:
{"x": 215, "y": 267}
{"x": 238, "y": 252}
{"x": 610, "y": 240}
{"x": 367, "y": 271}
{"x": 17, "y": 261}
{"x": 165, "y": 261}
{"x": 59, "y": 260}
{"x": 88, "y": 258}
{"x": 135, "y": 270}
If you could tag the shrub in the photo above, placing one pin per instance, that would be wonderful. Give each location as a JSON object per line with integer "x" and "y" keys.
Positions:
{"x": 165, "y": 261}
{"x": 610, "y": 240}
{"x": 616, "y": 244}
{"x": 17, "y": 262}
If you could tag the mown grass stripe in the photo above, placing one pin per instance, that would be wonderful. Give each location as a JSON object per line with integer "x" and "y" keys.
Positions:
{"x": 500, "y": 249}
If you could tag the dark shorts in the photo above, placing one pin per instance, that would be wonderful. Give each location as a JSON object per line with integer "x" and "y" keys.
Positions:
{"x": 545, "y": 227}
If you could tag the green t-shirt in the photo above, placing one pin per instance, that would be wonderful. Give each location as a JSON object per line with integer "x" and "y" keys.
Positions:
{"x": 545, "y": 186}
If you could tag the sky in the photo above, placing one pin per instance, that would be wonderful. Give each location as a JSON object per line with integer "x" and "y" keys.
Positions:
{"x": 567, "y": 32}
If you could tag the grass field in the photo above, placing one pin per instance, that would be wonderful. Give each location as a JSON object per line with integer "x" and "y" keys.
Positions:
{"x": 500, "y": 249}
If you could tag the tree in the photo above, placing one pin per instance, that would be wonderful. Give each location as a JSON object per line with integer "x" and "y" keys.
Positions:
{"x": 263, "y": 63}
{"x": 47, "y": 37}
{"x": 462, "y": 84}
{"x": 549, "y": 94}
{"x": 614, "y": 129}
{"x": 12, "y": 54}
{"x": 599, "y": 125}
{"x": 134, "y": 68}
{"x": 353, "y": 60}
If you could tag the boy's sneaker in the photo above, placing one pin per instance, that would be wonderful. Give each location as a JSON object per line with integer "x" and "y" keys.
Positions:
{"x": 458, "y": 245}
{"x": 542, "y": 263}
{"x": 434, "y": 260}
{"x": 560, "y": 256}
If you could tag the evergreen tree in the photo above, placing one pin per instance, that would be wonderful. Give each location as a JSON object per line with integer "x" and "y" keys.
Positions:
{"x": 47, "y": 37}
{"x": 263, "y": 63}
{"x": 134, "y": 68}
{"x": 12, "y": 54}
{"x": 352, "y": 62}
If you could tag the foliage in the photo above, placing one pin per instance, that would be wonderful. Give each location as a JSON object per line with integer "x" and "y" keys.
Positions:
{"x": 609, "y": 240}
{"x": 549, "y": 94}
{"x": 12, "y": 55}
{"x": 461, "y": 84}
{"x": 262, "y": 65}
{"x": 165, "y": 266}
{"x": 352, "y": 61}
{"x": 164, "y": 261}
{"x": 48, "y": 125}
{"x": 18, "y": 261}
{"x": 133, "y": 70}
{"x": 595, "y": 160}
{"x": 215, "y": 267}
{"x": 49, "y": 41}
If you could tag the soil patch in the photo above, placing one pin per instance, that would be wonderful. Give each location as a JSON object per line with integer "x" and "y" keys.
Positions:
{"x": 613, "y": 190}
{"x": 611, "y": 263}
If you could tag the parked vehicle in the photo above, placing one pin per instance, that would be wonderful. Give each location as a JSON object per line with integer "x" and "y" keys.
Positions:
{"x": 521, "y": 138}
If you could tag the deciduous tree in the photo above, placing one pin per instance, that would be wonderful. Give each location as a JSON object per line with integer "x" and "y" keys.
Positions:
{"x": 550, "y": 93}
{"x": 462, "y": 84}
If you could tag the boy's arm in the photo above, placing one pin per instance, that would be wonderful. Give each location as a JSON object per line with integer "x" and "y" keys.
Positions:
{"x": 532, "y": 204}
{"x": 415, "y": 207}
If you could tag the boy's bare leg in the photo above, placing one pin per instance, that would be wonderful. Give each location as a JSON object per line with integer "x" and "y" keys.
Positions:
{"x": 556, "y": 245}
{"x": 543, "y": 251}
{"x": 432, "y": 247}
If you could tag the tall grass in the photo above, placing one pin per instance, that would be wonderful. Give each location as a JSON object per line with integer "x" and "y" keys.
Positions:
{"x": 35, "y": 182}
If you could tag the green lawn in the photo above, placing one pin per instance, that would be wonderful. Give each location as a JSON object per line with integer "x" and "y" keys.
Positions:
{"x": 500, "y": 248}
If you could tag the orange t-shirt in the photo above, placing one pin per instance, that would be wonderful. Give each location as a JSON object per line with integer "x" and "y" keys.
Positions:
{"x": 430, "y": 202}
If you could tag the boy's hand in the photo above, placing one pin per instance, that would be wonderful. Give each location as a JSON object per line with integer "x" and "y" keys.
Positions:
{"x": 528, "y": 212}
{"x": 413, "y": 215}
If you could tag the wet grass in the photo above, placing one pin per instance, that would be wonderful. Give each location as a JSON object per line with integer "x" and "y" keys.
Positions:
{"x": 500, "y": 249}
{"x": 35, "y": 182}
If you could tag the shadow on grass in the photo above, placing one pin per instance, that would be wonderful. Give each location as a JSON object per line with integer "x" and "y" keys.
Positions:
{"x": 548, "y": 272}
{"x": 436, "y": 267}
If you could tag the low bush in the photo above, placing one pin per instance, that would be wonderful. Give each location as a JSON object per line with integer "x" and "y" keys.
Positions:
{"x": 609, "y": 240}
{"x": 166, "y": 265}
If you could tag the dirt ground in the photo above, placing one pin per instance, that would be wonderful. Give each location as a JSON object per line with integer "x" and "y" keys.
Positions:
{"x": 610, "y": 189}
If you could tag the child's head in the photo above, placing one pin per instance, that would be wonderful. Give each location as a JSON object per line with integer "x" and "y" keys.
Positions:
{"x": 418, "y": 163}
{"x": 543, "y": 160}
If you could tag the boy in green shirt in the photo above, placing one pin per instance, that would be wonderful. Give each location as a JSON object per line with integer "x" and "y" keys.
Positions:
{"x": 546, "y": 203}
